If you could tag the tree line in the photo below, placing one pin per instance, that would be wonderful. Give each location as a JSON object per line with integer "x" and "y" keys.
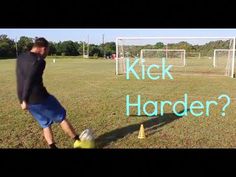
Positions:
{"x": 9, "y": 48}
{"x": 206, "y": 49}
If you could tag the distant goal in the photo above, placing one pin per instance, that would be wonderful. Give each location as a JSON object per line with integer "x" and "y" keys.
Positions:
{"x": 175, "y": 57}
{"x": 188, "y": 55}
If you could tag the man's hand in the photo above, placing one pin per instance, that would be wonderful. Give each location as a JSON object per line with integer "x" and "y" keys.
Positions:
{"x": 24, "y": 105}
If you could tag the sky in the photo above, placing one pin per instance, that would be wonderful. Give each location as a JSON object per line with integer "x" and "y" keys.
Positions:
{"x": 96, "y": 35}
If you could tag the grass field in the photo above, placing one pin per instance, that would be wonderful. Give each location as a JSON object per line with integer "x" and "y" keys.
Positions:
{"x": 96, "y": 98}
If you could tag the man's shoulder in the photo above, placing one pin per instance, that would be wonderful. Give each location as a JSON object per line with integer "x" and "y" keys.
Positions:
{"x": 28, "y": 56}
{"x": 23, "y": 54}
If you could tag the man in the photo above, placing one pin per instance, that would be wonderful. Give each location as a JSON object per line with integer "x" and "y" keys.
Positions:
{"x": 34, "y": 97}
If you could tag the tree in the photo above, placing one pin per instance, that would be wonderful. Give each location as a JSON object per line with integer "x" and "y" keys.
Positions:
{"x": 109, "y": 48}
{"x": 95, "y": 50}
{"x": 68, "y": 48}
{"x": 7, "y": 47}
{"x": 59, "y": 49}
{"x": 24, "y": 44}
{"x": 159, "y": 45}
{"x": 80, "y": 48}
{"x": 52, "y": 48}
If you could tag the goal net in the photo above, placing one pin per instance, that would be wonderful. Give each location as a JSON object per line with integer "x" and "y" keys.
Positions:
{"x": 175, "y": 57}
{"x": 188, "y": 55}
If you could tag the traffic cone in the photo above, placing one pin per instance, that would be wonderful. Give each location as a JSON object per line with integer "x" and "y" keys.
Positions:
{"x": 141, "y": 134}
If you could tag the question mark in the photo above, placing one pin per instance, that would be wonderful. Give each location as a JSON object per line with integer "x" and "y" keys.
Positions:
{"x": 227, "y": 104}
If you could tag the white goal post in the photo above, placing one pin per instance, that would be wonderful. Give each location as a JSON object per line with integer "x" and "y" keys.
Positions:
{"x": 202, "y": 47}
{"x": 227, "y": 51}
{"x": 177, "y": 54}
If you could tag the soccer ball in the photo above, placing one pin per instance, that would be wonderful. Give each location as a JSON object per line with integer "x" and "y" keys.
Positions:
{"x": 87, "y": 140}
{"x": 87, "y": 135}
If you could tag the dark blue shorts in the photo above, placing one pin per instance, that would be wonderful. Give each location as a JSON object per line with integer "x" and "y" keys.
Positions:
{"x": 48, "y": 112}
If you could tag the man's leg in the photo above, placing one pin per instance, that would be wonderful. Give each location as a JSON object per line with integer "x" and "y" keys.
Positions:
{"x": 68, "y": 129}
{"x": 48, "y": 135}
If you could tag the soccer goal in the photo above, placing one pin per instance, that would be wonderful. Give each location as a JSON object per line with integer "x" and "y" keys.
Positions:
{"x": 175, "y": 57}
{"x": 222, "y": 59}
{"x": 195, "y": 55}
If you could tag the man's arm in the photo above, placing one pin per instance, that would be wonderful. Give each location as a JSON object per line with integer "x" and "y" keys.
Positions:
{"x": 19, "y": 80}
{"x": 28, "y": 80}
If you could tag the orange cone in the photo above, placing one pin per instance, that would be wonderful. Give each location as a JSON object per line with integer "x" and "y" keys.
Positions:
{"x": 141, "y": 134}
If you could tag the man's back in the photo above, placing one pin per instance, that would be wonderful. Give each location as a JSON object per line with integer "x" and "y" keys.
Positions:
{"x": 29, "y": 72}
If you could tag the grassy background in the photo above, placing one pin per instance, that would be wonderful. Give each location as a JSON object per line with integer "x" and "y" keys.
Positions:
{"x": 95, "y": 98}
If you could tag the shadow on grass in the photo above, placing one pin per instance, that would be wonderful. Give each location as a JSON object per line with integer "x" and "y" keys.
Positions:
{"x": 151, "y": 126}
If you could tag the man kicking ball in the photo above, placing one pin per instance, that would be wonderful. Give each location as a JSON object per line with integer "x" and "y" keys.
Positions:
{"x": 35, "y": 98}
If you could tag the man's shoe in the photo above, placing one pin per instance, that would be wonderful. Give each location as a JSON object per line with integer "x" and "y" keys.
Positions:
{"x": 84, "y": 144}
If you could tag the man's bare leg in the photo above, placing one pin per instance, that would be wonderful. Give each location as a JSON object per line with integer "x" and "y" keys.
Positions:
{"x": 68, "y": 129}
{"x": 48, "y": 135}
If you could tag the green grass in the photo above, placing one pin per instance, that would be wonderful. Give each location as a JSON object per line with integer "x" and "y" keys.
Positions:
{"x": 95, "y": 98}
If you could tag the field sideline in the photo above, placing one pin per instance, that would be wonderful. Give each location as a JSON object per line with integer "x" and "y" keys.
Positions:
{"x": 96, "y": 98}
